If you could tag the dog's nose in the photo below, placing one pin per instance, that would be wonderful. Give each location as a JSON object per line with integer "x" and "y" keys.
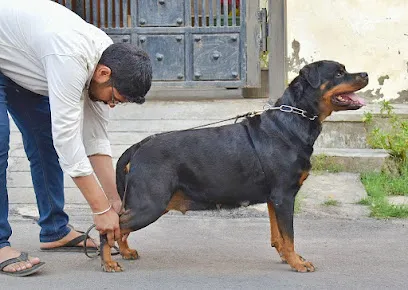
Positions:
{"x": 364, "y": 75}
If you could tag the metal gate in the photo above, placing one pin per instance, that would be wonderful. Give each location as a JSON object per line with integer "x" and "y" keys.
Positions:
{"x": 191, "y": 43}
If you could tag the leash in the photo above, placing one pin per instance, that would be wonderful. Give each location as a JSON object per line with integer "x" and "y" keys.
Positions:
{"x": 249, "y": 114}
{"x": 290, "y": 109}
{"x": 267, "y": 106}
{"x": 98, "y": 251}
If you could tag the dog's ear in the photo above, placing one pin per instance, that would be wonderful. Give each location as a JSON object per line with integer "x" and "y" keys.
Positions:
{"x": 311, "y": 74}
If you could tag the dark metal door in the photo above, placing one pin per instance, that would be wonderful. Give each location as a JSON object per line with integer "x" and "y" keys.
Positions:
{"x": 191, "y": 43}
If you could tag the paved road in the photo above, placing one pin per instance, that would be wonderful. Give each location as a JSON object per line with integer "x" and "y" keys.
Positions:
{"x": 213, "y": 252}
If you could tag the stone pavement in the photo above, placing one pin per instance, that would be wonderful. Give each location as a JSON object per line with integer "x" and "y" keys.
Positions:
{"x": 225, "y": 252}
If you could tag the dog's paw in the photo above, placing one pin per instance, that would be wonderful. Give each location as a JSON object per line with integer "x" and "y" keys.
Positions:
{"x": 298, "y": 263}
{"x": 284, "y": 261}
{"x": 130, "y": 254}
{"x": 303, "y": 267}
{"x": 111, "y": 267}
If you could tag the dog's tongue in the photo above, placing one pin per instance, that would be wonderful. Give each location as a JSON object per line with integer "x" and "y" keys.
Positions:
{"x": 355, "y": 98}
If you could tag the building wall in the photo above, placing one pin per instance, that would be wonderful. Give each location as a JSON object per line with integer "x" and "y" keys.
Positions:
{"x": 364, "y": 35}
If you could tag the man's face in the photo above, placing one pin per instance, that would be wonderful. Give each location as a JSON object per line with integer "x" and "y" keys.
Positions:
{"x": 101, "y": 88}
{"x": 105, "y": 93}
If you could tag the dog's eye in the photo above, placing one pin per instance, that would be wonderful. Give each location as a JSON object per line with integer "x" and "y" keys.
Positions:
{"x": 339, "y": 74}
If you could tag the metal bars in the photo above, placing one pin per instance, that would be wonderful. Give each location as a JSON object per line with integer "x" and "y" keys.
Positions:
{"x": 216, "y": 13}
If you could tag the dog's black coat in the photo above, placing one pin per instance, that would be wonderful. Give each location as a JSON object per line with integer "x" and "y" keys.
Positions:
{"x": 261, "y": 159}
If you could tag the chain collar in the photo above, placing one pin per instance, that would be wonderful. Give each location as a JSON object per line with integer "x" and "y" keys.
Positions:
{"x": 290, "y": 109}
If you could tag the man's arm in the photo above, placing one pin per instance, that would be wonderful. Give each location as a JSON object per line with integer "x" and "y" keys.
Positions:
{"x": 103, "y": 167}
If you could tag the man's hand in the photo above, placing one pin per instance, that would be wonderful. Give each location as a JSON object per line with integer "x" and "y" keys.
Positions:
{"x": 108, "y": 223}
{"x": 117, "y": 205}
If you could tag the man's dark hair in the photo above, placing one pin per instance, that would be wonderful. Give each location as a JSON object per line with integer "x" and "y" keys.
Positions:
{"x": 131, "y": 70}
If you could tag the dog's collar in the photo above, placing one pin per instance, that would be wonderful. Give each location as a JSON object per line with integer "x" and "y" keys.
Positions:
{"x": 290, "y": 109}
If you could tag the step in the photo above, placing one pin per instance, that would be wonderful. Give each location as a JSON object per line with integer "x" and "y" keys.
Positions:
{"x": 343, "y": 134}
{"x": 349, "y": 159}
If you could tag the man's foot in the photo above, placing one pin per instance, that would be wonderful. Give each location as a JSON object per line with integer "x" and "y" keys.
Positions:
{"x": 73, "y": 234}
{"x": 7, "y": 253}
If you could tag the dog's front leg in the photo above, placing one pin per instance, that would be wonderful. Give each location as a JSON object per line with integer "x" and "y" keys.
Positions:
{"x": 284, "y": 210}
{"x": 107, "y": 263}
{"x": 276, "y": 237}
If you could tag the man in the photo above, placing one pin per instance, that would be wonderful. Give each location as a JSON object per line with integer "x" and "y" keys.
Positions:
{"x": 49, "y": 58}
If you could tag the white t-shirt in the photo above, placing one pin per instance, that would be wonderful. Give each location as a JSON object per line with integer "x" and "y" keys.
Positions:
{"x": 47, "y": 49}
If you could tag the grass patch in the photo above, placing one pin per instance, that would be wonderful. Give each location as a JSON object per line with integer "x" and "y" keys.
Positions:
{"x": 385, "y": 184}
{"x": 384, "y": 210}
{"x": 381, "y": 185}
{"x": 331, "y": 202}
{"x": 392, "y": 136}
{"x": 322, "y": 162}
{"x": 365, "y": 201}
{"x": 298, "y": 203}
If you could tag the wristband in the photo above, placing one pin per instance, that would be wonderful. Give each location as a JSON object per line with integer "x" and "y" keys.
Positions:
{"x": 104, "y": 211}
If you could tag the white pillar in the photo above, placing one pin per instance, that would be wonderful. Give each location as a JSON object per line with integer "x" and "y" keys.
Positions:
{"x": 277, "y": 48}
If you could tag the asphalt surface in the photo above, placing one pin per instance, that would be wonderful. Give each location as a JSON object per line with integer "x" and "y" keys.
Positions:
{"x": 228, "y": 251}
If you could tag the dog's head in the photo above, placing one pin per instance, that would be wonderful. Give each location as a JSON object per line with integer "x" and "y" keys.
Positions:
{"x": 325, "y": 86}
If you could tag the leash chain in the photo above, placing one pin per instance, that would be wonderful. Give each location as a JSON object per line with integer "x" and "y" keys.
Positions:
{"x": 290, "y": 109}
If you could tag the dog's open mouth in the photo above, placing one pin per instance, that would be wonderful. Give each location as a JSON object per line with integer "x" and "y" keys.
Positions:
{"x": 350, "y": 100}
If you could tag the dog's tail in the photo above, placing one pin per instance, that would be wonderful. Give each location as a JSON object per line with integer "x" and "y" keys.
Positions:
{"x": 122, "y": 168}
{"x": 123, "y": 165}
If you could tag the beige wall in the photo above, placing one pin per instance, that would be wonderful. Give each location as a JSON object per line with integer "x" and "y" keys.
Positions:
{"x": 364, "y": 35}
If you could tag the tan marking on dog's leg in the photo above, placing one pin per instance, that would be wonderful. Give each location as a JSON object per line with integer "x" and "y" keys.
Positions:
{"x": 127, "y": 168}
{"x": 294, "y": 260}
{"x": 179, "y": 202}
{"x": 126, "y": 252}
{"x": 107, "y": 263}
{"x": 303, "y": 177}
{"x": 276, "y": 238}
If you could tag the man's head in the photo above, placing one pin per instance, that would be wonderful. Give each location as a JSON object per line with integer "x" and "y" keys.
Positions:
{"x": 123, "y": 74}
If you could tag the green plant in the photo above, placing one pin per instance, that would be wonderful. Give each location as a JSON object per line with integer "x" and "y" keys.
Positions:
{"x": 331, "y": 202}
{"x": 383, "y": 209}
{"x": 381, "y": 185}
{"x": 392, "y": 136}
{"x": 368, "y": 118}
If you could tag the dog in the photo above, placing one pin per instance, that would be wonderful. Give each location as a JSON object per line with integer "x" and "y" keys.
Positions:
{"x": 263, "y": 159}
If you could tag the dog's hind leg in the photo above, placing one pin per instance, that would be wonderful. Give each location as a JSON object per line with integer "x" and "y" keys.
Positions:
{"x": 126, "y": 252}
{"x": 284, "y": 210}
{"x": 107, "y": 263}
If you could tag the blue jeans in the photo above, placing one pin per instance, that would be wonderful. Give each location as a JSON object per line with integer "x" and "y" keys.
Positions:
{"x": 31, "y": 113}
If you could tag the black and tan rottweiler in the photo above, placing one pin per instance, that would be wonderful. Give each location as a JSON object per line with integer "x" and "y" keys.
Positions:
{"x": 263, "y": 159}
